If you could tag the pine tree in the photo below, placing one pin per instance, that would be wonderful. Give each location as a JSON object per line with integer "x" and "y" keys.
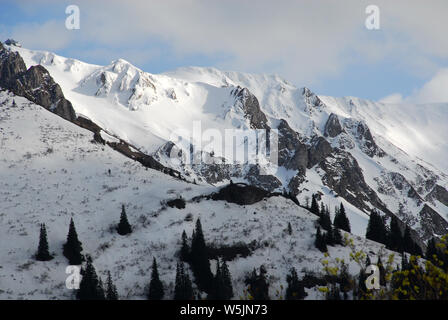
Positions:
{"x": 320, "y": 241}
{"x": 258, "y": 286}
{"x": 395, "y": 241}
{"x": 337, "y": 237}
{"x": 289, "y": 228}
{"x": 329, "y": 237}
{"x": 431, "y": 250}
{"x": 324, "y": 219}
{"x": 156, "y": 291}
{"x": 200, "y": 263}
{"x": 42, "y": 251}
{"x": 295, "y": 289}
{"x": 409, "y": 245}
{"x": 222, "y": 288}
{"x": 185, "y": 250}
{"x": 314, "y": 206}
{"x": 111, "y": 289}
{"x": 90, "y": 286}
{"x": 124, "y": 227}
{"x": 73, "y": 247}
{"x": 182, "y": 289}
{"x": 227, "y": 281}
{"x": 376, "y": 230}
{"x": 340, "y": 219}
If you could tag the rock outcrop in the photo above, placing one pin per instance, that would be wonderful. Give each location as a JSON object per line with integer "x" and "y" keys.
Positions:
{"x": 35, "y": 84}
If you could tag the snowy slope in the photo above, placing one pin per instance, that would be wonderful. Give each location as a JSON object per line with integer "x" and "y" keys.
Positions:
{"x": 51, "y": 170}
{"x": 146, "y": 109}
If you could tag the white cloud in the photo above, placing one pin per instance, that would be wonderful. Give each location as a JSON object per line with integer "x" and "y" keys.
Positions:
{"x": 393, "y": 98}
{"x": 435, "y": 90}
{"x": 303, "y": 41}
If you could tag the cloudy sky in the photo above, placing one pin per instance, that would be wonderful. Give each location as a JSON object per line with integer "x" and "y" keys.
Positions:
{"x": 322, "y": 44}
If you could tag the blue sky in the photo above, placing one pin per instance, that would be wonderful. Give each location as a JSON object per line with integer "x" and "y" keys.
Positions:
{"x": 318, "y": 44}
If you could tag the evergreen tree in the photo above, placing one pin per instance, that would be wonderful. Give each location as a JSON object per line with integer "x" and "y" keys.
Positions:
{"x": 185, "y": 250}
{"x": 376, "y": 230}
{"x": 337, "y": 236}
{"x": 90, "y": 286}
{"x": 156, "y": 291}
{"x": 320, "y": 241}
{"x": 314, "y": 206}
{"x": 42, "y": 251}
{"x": 258, "y": 286}
{"x": 222, "y": 288}
{"x": 289, "y": 228}
{"x": 227, "y": 281}
{"x": 431, "y": 250}
{"x": 182, "y": 289}
{"x": 409, "y": 245}
{"x": 324, "y": 219}
{"x": 295, "y": 289}
{"x": 111, "y": 289}
{"x": 340, "y": 219}
{"x": 395, "y": 241}
{"x": 329, "y": 237}
{"x": 200, "y": 263}
{"x": 382, "y": 271}
{"x": 124, "y": 227}
{"x": 73, "y": 247}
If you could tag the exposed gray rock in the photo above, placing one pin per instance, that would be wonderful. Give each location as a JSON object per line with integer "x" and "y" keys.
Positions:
{"x": 332, "y": 126}
{"x": 432, "y": 223}
{"x": 241, "y": 194}
{"x": 319, "y": 150}
{"x": 343, "y": 175}
{"x": 35, "y": 84}
{"x": 368, "y": 144}
{"x": 438, "y": 193}
{"x": 292, "y": 153}
{"x": 265, "y": 182}
{"x": 251, "y": 108}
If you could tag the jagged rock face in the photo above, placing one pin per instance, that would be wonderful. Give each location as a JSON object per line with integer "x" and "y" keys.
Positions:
{"x": 295, "y": 183}
{"x": 368, "y": 146}
{"x": 438, "y": 193}
{"x": 333, "y": 127}
{"x": 432, "y": 223}
{"x": 35, "y": 84}
{"x": 266, "y": 182}
{"x": 251, "y": 108}
{"x": 343, "y": 175}
{"x": 292, "y": 153}
{"x": 319, "y": 150}
{"x": 11, "y": 66}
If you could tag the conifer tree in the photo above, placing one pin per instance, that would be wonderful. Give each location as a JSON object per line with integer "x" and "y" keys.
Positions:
{"x": 289, "y": 229}
{"x": 314, "y": 206}
{"x": 376, "y": 230}
{"x": 182, "y": 289}
{"x": 337, "y": 236}
{"x": 73, "y": 247}
{"x": 329, "y": 237}
{"x": 340, "y": 219}
{"x": 111, "y": 289}
{"x": 185, "y": 250}
{"x": 320, "y": 241}
{"x": 200, "y": 263}
{"x": 90, "y": 286}
{"x": 395, "y": 241}
{"x": 409, "y": 245}
{"x": 431, "y": 250}
{"x": 295, "y": 289}
{"x": 42, "y": 251}
{"x": 258, "y": 286}
{"x": 156, "y": 291}
{"x": 227, "y": 281}
{"x": 324, "y": 219}
{"x": 124, "y": 227}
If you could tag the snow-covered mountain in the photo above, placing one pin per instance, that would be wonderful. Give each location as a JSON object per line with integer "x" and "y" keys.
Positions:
{"x": 361, "y": 153}
{"x": 371, "y": 155}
